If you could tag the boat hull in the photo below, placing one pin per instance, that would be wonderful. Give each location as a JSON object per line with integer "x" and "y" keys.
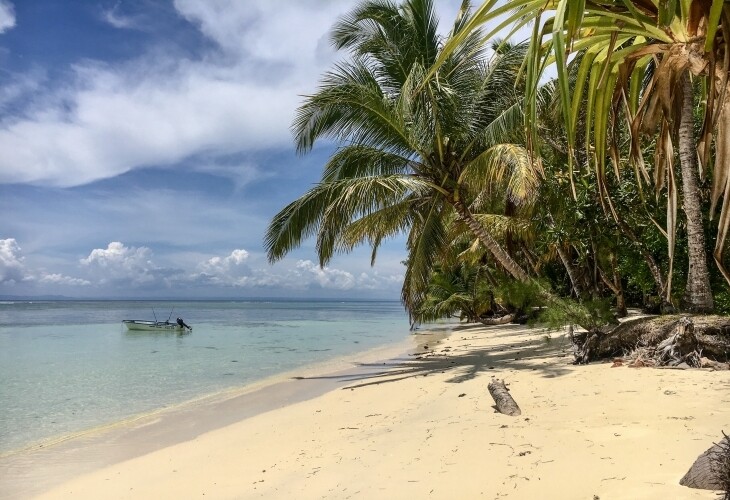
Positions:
{"x": 152, "y": 326}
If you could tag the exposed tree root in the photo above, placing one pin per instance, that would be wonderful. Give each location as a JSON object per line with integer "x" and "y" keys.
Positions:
{"x": 684, "y": 341}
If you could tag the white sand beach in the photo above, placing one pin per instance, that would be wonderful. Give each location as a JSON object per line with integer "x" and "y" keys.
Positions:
{"x": 423, "y": 426}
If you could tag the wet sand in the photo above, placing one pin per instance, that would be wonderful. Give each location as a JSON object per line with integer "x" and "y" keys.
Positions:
{"x": 28, "y": 472}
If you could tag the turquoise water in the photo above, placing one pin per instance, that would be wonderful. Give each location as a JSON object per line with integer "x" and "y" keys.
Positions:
{"x": 70, "y": 366}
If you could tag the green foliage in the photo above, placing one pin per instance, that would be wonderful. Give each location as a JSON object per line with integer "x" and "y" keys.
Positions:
{"x": 459, "y": 290}
{"x": 512, "y": 197}
{"x": 520, "y": 297}
{"x": 590, "y": 314}
{"x": 619, "y": 64}
{"x": 722, "y": 302}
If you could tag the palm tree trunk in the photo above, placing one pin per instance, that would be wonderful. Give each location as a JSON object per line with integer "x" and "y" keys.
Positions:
{"x": 572, "y": 273}
{"x": 697, "y": 294}
{"x": 614, "y": 284}
{"x": 530, "y": 259}
{"x": 499, "y": 254}
{"x": 568, "y": 264}
{"x": 620, "y": 298}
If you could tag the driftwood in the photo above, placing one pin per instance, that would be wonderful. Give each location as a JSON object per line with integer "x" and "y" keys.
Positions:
{"x": 498, "y": 320}
{"x": 660, "y": 341}
{"x": 503, "y": 399}
{"x": 711, "y": 470}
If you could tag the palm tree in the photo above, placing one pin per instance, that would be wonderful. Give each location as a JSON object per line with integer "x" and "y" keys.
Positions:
{"x": 410, "y": 155}
{"x": 456, "y": 291}
{"x": 639, "y": 57}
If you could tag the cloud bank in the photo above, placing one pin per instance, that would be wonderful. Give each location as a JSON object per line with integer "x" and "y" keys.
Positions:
{"x": 13, "y": 270}
{"x": 214, "y": 101}
{"x": 116, "y": 267}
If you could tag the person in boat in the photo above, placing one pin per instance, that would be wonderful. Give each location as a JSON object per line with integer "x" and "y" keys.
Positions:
{"x": 182, "y": 323}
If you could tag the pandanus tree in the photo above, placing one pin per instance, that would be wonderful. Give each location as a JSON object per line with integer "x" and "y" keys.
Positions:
{"x": 639, "y": 61}
{"x": 411, "y": 153}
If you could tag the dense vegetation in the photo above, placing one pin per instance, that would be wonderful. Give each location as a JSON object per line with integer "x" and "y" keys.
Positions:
{"x": 585, "y": 194}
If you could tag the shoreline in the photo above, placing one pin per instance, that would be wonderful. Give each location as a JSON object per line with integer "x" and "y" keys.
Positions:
{"x": 423, "y": 426}
{"x": 50, "y": 392}
{"x": 166, "y": 426}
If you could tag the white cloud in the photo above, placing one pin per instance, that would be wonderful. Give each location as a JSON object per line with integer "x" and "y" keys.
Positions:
{"x": 7, "y": 16}
{"x": 231, "y": 270}
{"x": 116, "y": 255}
{"x": 307, "y": 275}
{"x": 267, "y": 30}
{"x": 21, "y": 86}
{"x": 12, "y": 269}
{"x": 117, "y": 20}
{"x": 122, "y": 269}
{"x": 60, "y": 279}
{"x": 237, "y": 257}
{"x": 240, "y": 174}
{"x": 161, "y": 109}
{"x": 325, "y": 277}
{"x": 121, "y": 120}
{"x": 377, "y": 281}
{"x": 132, "y": 266}
{"x": 237, "y": 270}
{"x": 120, "y": 263}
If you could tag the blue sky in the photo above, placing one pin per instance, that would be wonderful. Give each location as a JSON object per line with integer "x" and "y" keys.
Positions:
{"x": 146, "y": 145}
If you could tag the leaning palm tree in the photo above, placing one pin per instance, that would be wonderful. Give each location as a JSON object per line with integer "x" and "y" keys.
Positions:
{"x": 409, "y": 155}
{"x": 638, "y": 60}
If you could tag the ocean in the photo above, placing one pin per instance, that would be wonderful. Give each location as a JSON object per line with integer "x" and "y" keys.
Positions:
{"x": 67, "y": 366}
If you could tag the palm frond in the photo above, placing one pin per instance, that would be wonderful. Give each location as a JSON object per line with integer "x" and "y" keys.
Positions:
{"x": 357, "y": 198}
{"x": 505, "y": 164}
{"x": 426, "y": 240}
{"x": 350, "y": 106}
{"x": 296, "y": 222}
{"x": 365, "y": 161}
{"x": 499, "y": 226}
{"x": 378, "y": 226}
{"x": 390, "y": 37}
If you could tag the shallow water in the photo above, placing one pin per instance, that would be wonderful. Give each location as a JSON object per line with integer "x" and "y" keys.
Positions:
{"x": 70, "y": 366}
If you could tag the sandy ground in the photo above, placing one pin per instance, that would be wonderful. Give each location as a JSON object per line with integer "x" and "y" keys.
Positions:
{"x": 423, "y": 426}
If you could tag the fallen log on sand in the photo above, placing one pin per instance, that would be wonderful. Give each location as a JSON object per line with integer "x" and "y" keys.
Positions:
{"x": 504, "y": 403}
{"x": 498, "y": 320}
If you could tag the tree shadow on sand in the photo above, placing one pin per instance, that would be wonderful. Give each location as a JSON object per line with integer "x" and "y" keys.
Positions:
{"x": 526, "y": 349}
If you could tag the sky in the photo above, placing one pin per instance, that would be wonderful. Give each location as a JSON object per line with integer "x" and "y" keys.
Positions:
{"x": 145, "y": 146}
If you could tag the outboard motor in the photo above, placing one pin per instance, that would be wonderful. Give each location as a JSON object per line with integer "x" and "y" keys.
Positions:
{"x": 182, "y": 323}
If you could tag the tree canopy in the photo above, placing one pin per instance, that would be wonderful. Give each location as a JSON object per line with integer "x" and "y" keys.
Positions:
{"x": 570, "y": 187}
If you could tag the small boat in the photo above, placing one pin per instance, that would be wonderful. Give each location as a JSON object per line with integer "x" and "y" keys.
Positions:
{"x": 163, "y": 326}
{"x": 137, "y": 324}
